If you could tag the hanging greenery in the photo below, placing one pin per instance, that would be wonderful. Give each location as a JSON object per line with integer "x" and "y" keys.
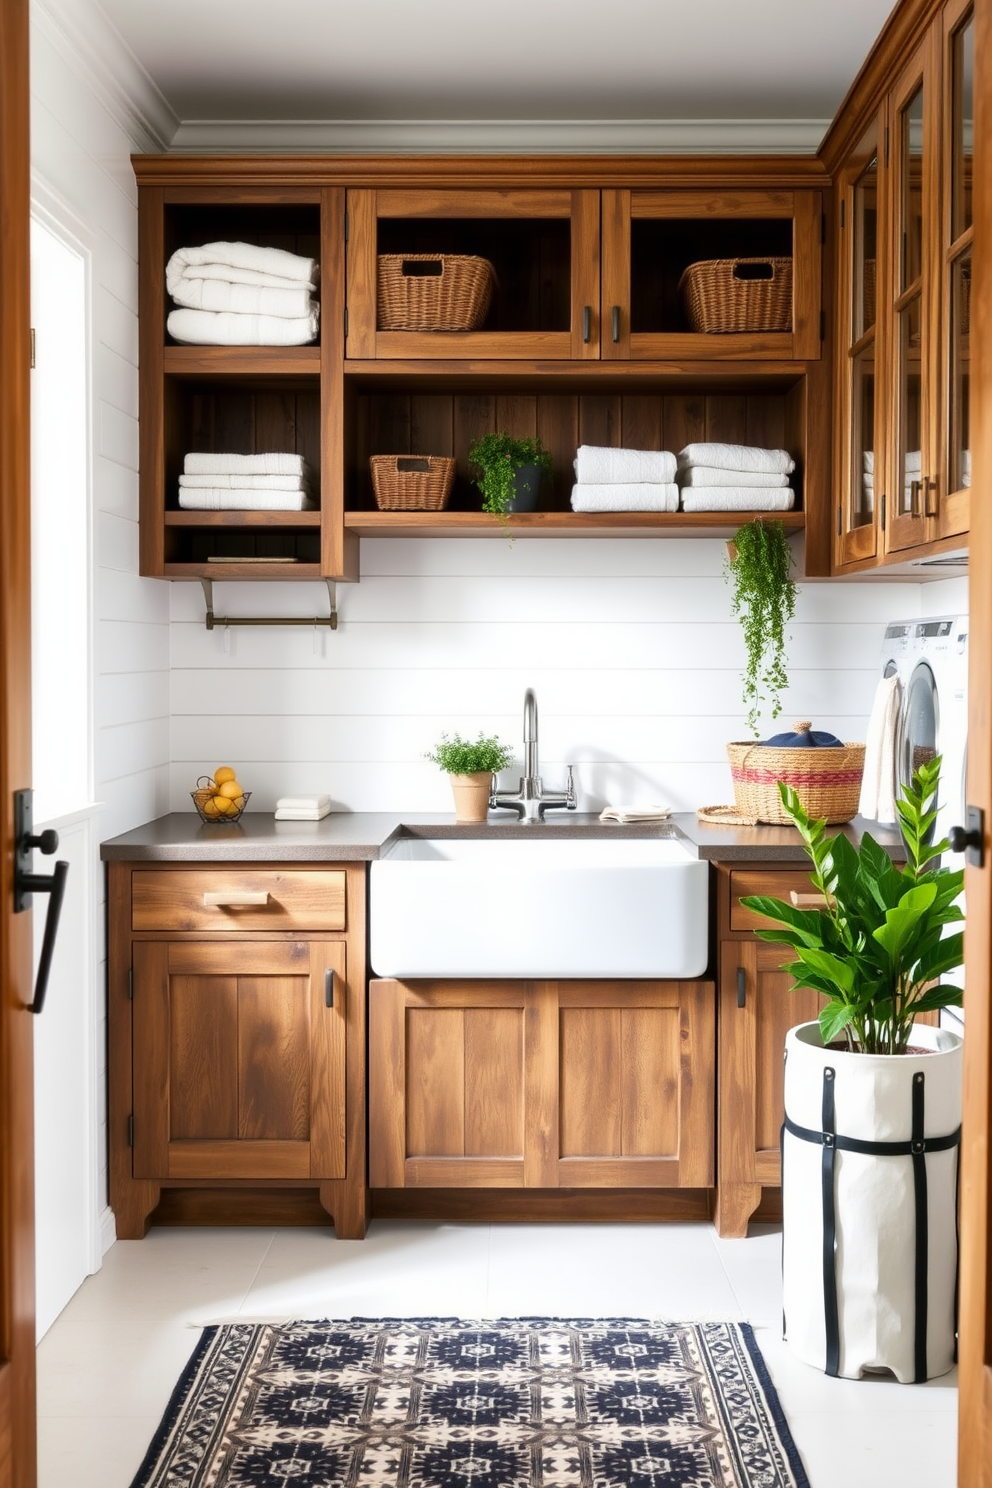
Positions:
{"x": 764, "y": 601}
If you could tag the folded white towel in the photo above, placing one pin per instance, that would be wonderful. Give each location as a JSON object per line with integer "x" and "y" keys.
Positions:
{"x": 204, "y": 328}
{"x": 868, "y": 461}
{"x": 241, "y": 263}
{"x": 599, "y": 465}
{"x": 206, "y": 462}
{"x": 738, "y": 457}
{"x": 878, "y": 783}
{"x": 913, "y": 461}
{"x": 230, "y": 498}
{"x": 218, "y": 296}
{"x": 736, "y": 498}
{"x": 635, "y": 813}
{"x": 712, "y": 475}
{"x": 245, "y": 482}
{"x": 303, "y": 803}
{"x": 642, "y": 496}
{"x": 286, "y": 813}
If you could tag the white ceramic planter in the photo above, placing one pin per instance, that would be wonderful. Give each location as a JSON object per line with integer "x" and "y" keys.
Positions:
{"x": 882, "y": 1295}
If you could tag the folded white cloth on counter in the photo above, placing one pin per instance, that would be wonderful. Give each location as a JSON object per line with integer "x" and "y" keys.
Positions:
{"x": 601, "y": 465}
{"x": 878, "y": 782}
{"x": 737, "y": 498}
{"x": 233, "y": 498}
{"x": 712, "y": 475}
{"x": 246, "y": 482}
{"x": 218, "y": 296}
{"x": 640, "y": 496}
{"x": 205, "y": 328}
{"x": 738, "y": 457}
{"x": 276, "y": 462}
{"x": 302, "y": 808}
{"x": 635, "y": 813}
{"x": 240, "y": 263}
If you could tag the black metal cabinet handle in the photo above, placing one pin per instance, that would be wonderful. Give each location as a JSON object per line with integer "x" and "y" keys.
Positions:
{"x": 586, "y": 323}
{"x": 329, "y": 977}
{"x": 741, "y": 987}
{"x": 615, "y": 321}
{"x": 54, "y": 884}
{"x": 27, "y": 883}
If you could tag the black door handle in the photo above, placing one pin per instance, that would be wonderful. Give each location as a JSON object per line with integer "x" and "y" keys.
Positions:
{"x": 27, "y": 884}
{"x": 329, "y": 987}
{"x": 741, "y": 987}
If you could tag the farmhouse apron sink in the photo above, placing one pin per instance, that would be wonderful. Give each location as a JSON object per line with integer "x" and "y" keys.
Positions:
{"x": 584, "y": 907}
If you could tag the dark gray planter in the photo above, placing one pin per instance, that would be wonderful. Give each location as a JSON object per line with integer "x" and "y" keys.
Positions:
{"x": 527, "y": 481}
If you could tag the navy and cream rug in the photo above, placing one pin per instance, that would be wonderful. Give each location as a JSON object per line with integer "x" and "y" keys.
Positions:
{"x": 443, "y": 1403}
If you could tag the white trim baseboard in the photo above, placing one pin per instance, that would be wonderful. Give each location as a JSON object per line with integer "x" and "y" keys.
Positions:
{"x": 107, "y": 1230}
{"x": 506, "y": 136}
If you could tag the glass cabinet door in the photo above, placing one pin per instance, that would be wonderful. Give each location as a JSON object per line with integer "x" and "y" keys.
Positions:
{"x": 950, "y": 508}
{"x": 856, "y": 525}
{"x": 914, "y": 471}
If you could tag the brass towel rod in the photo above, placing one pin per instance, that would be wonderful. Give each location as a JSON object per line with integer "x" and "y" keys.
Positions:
{"x": 213, "y": 621}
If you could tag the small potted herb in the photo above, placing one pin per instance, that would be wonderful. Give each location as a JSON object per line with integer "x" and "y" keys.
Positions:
{"x": 764, "y": 601}
{"x": 509, "y": 472}
{"x": 471, "y": 766}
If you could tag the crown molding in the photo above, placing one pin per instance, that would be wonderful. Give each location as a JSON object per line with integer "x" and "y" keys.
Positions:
{"x": 503, "y": 136}
{"x": 89, "y": 44}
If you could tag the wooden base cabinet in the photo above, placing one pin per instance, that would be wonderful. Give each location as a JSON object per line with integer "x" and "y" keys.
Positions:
{"x": 237, "y": 1042}
{"x": 541, "y": 1085}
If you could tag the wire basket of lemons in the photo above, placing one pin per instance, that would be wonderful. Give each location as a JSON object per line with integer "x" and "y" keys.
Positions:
{"x": 219, "y": 797}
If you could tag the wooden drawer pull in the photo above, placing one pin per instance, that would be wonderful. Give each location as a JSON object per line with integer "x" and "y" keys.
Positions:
{"x": 810, "y": 901}
{"x": 233, "y": 900}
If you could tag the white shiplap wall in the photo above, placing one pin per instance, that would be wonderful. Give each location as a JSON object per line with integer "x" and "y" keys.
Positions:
{"x": 630, "y": 646}
{"x": 80, "y": 146}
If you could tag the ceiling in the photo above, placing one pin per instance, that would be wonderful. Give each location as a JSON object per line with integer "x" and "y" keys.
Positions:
{"x": 522, "y": 60}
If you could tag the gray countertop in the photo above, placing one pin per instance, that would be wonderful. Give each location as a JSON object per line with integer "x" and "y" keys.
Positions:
{"x": 361, "y": 836}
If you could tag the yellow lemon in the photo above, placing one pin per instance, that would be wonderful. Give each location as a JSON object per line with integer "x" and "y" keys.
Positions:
{"x": 223, "y": 774}
{"x": 209, "y": 806}
{"x": 231, "y": 789}
{"x": 223, "y": 806}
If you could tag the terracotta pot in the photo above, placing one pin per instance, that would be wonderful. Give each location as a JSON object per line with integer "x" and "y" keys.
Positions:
{"x": 471, "y": 794}
{"x": 882, "y": 1296}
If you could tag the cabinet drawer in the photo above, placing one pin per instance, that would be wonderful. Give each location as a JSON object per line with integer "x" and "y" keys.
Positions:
{"x": 237, "y": 899}
{"x": 763, "y": 881}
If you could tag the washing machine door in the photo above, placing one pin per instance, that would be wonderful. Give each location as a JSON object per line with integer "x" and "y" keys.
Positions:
{"x": 920, "y": 723}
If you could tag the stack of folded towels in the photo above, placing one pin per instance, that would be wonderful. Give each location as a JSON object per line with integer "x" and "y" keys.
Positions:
{"x": 276, "y": 482}
{"x": 868, "y": 481}
{"x": 624, "y": 480}
{"x": 735, "y": 477}
{"x": 237, "y": 294}
{"x": 303, "y": 808}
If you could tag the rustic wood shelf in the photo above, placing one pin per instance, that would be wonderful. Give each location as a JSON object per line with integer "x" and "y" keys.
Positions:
{"x": 240, "y": 519}
{"x": 558, "y": 524}
{"x": 241, "y": 361}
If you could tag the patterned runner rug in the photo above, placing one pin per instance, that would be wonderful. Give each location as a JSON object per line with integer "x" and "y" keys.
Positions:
{"x": 443, "y": 1403}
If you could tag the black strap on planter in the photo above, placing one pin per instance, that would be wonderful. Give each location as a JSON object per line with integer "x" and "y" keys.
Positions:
{"x": 917, "y": 1148}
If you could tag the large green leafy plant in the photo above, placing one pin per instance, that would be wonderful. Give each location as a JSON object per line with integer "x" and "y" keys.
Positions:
{"x": 877, "y": 947}
{"x": 497, "y": 458}
{"x": 764, "y": 601}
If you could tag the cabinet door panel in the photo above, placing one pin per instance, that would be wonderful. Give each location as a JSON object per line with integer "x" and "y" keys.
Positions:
{"x": 435, "y": 1082}
{"x": 203, "y": 1058}
{"x": 273, "y": 1058}
{"x": 494, "y": 1082}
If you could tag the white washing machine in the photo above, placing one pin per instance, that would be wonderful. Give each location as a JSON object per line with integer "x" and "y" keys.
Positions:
{"x": 935, "y": 711}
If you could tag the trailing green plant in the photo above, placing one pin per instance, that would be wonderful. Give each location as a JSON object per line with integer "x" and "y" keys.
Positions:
{"x": 497, "y": 458}
{"x": 764, "y": 601}
{"x": 877, "y": 947}
{"x": 458, "y": 756}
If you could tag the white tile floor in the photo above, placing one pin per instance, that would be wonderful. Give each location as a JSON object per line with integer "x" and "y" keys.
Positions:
{"x": 107, "y": 1367}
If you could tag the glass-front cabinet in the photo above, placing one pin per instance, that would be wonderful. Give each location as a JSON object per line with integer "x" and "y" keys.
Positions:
{"x": 904, "y": 293}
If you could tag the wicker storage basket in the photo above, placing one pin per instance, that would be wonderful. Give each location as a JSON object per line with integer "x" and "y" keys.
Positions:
{"x": 738, "y": 294}
{"x": 412, "y": 482}
{"x": 433, "y": 291}
{"x": 827, "y": 781}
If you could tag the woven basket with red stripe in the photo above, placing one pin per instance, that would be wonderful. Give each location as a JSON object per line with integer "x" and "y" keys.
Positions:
{"x": 827, "y": 781}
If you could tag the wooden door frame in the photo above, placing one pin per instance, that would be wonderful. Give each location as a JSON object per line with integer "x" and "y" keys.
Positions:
{"x": 18, "y": 1450}
{"x": 975, "y": 1405}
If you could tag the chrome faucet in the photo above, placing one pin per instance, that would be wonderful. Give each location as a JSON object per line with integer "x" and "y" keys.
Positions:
{"x": 530, "y": 801}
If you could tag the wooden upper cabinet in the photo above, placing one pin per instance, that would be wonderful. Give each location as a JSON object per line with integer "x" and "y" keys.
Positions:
{"x": 650, "y": 239}
{"x": 905, "y": 244}
{"x": 543, "y": 246}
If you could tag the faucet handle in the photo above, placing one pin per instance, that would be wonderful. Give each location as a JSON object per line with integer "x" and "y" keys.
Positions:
{"x": 570, "y": 801}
